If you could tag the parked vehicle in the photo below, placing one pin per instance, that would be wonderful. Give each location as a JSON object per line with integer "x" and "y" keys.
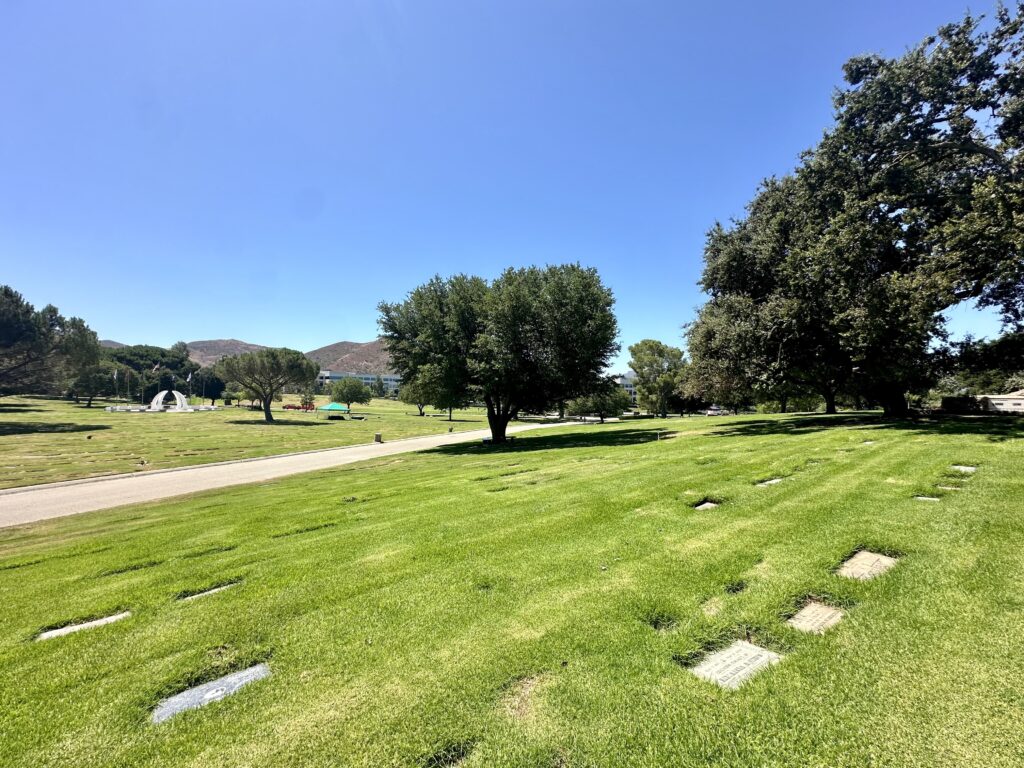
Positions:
{"x": 715, "y": 410}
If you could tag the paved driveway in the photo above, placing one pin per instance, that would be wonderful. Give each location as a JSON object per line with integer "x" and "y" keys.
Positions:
{"x": 42, "y": 502}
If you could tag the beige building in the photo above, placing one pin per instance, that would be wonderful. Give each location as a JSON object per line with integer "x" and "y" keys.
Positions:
{"x": 1011, "y": 403}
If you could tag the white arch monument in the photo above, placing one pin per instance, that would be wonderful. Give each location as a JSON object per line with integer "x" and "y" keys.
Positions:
{"x": 180, "y": 403}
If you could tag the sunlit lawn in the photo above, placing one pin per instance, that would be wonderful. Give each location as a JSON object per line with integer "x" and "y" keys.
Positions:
{"x": 44, "y": 440}
{"x": 540, "y": 606}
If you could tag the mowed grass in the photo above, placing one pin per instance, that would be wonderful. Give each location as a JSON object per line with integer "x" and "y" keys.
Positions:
{"x": 540, "y": 605}
{"x": 44, "y": 440}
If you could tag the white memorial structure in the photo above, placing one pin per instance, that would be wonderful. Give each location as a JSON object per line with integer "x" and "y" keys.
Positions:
{"x": 157, "y": 405}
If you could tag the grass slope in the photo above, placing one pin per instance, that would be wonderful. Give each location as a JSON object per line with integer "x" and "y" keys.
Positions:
{"x": 45, "y": 440}
{"x": 537, "y": 606}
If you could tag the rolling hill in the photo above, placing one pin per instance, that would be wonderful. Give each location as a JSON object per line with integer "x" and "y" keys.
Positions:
{"x": 346, "y": 356}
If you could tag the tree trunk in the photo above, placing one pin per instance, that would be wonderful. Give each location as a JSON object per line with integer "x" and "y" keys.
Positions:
{"x": 449, "y": 413}
{"x": 266, "y": 410}
{"x": 498, "y": 419}
{"x": 830, "y": 402}
{"x": 420, "y": 409}
{"x": 783, "y": 402}
{"x": 88, "y": 402}
{"x": 561, "y": 410}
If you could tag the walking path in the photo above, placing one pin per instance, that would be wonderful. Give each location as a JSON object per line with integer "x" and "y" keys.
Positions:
{"x": 19, "y": 506}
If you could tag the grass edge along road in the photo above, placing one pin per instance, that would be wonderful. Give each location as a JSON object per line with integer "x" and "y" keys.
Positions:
{"x": 49, "y": 440}
{"x": 542, "y": 604}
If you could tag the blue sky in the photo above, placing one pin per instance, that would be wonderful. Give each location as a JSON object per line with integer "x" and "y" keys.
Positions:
{"x": 269, "y": 171}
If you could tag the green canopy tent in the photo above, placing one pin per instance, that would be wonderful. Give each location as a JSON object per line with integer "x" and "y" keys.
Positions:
{"x": 332, "y": 410}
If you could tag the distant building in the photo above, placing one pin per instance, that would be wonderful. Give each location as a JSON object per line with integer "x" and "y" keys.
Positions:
{"x": 1011, "y": 403}
{"x": 628, "y": 382}
{"x": 391, "y": 381}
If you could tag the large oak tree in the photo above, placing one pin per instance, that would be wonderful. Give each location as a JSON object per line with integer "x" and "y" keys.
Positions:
{"x": 527, "y": 341}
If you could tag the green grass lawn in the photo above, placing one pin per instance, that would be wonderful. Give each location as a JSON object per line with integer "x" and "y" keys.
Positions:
{"x": 540, "y": 605}
{"x": 44, "y": 440}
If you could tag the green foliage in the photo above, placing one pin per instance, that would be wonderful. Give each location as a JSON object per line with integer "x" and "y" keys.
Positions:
{"x": 659, "y": 372}
{"x": 41, "y": 350}
{"x": 378, "y": 388}
{"x": 609, "y": 400}
{"x": 350, "y": 391}
{"x": 412, "y": 392}
{"x": 264, "y": 374}
{"x": 530, "y": 339}
{"x": 94, "y": 381}
{"x": 836, "y": 279}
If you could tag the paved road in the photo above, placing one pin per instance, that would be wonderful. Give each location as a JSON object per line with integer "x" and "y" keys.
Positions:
{"x": 19, "y": 506}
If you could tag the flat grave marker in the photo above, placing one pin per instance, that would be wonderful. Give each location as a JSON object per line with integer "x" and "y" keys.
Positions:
{"x": 68, "y": 629}
{"x": 816, "y": 618}
{"x": 926, "y": 498}
{"x": 869, "y": 442}
{"x": 771, "y": 481}
{"x": 967, "y": 469}
{"x": 207, "y": 693}
{"x": 706, "y": 505}
{"x": 733, "y": 666}
{"x": 211, "y": 591}
{"x": 866, "y": 565}
{"x": 949, "y": 488}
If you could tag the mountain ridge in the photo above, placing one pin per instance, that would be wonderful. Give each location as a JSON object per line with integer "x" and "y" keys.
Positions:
{"x": 368, "y": 357}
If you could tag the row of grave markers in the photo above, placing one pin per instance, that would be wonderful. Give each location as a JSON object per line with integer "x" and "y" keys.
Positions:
{"x": 194, "y": 697}
{"x": 734, "y": 665}
{"x": 729, "y": 667}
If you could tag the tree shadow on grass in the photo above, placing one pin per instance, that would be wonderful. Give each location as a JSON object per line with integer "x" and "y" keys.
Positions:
{"x": 995, "y": 428}
{"x": 19, "y": 408}
{"x": 278, "y": 423}
{"x": 595, "y": 439}
{"x": 42, "y": 427}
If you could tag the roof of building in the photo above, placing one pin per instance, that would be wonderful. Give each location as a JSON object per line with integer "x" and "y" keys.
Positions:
{"x": 1018, "y": 393}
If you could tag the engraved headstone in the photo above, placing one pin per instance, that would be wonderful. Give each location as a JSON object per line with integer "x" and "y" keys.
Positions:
{"x": 772, "y": 481}
{"x": 816, "y": 618}
{"x": 733, "y": 666}
{"x": 965, "y": 468}
{"x": 866, "y": 565}
{"x": 706, "y": 505}
{"x": 67, "y": 630}
{"x": 926, "y": 498}
{"x": 204, "y": 694}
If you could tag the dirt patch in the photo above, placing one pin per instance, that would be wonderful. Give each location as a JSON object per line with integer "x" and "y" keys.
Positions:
{"x": 518, "y": 700}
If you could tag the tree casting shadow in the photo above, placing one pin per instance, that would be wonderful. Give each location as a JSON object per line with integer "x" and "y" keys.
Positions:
{"x": 995, "y": 428}
{"x": 596, "y": 439}
{"x": 42, "y": 427}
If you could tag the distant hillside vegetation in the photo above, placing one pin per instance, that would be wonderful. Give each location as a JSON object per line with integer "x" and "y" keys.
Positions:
{"x": 353, "y": 357}
{"x": 346, "y": 356}
{"x": 324, "y": 356}
{"x": 210, "y": 351}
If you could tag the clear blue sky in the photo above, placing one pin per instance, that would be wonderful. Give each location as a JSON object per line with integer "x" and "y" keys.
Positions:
{"x": 271, "y": 170}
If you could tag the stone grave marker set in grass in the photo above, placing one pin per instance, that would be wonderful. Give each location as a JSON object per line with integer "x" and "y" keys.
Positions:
{"x": 67, "y": 629}
{"x": 866, "y": 565}
{"x": 816, "y": 618}
{"x": 735, "y": 664}
{"x": 770, "y": 481}
{"x": 204, "y": 694}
